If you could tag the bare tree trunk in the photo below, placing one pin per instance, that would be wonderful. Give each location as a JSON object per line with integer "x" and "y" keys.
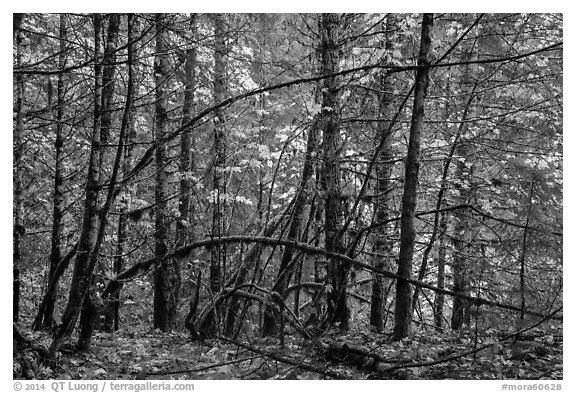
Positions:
{"x": 461, "y": 230}
{"x": 16, "y": 23}
{"x": 403, "y": 307}
{"x": 46, "y": 320}
{"x": 443, "y": 187}
{"x": 382, "y": 243}
{"x": 523, "y": 252}
{"x": 112, "y": 313}
{"x": 463, "y": 176}
{"x": 218, "y": 263}
{"x": 439, "y": 299}
{"x": 263, "y": 127}
{"x": 60, "y": 269}
{"x": 84, "y": 264}
{"x": 184, "y": 226}
{"x": 167, "y": 273}
{"x": 91, "y": 306}
{"x": 218, "y": 252}
{"x": 93, "y": 226}
{"x": 329, "y": 122}
{"x": 17, "y": 214}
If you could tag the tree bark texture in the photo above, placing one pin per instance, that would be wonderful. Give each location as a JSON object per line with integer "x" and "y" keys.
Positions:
{"x": 91, "y": 307}
{"x": 184, "y": 225}
{"x": 112, "y": 312}
{"x": 218, "y": 255}
{"x": 18, "y": 148}
{"x": 47, "y": 321}
{"x": 167, "y": 273}
{"x": 403, "y": 307}
{"x": 329, "y": 122}
{"x": 84, "y": 264}
{"x": 218, "y": 261}
{"x": 382, "y": 243}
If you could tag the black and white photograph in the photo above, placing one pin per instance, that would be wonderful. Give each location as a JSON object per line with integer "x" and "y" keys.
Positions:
{"x": 286, "y": 196}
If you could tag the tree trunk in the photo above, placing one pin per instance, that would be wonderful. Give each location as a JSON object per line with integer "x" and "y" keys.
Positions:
{"x": 439, "y": 299}
{"x": 403, "y": 307}
{"x": 382, "y": 243}
{"x": 218, "y": 261}
{"x": 84, "y": 264}
{"x": 329, "y": 122}
{"x": 53, "y": 284}
{"x": 16, "y": 23}
{"x": 443, "y": 187}
{"x": 18, "y": 222}
{"x": 523, "y": 252}
{"x": 463, "y": 176}
{"x": 90, "y": 308}
{"x": 47, "y": 321}
{"x": 218, "y": 252}
{"x": 460, "y": 268}
{"x": 184, "y": 225}
{"x": 112, "y": 313}
{"x": 167, "y": 273}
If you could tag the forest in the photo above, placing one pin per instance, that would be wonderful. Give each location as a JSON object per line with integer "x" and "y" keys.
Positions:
{"x": 287, "y": 196}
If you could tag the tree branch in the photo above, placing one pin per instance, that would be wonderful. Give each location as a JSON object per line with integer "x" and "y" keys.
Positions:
{"x": 390, "y": 69}
{"x": 181, "y": 252}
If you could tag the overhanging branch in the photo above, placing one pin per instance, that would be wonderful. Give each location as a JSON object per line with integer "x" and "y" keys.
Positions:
{"x": 116, "y": 284}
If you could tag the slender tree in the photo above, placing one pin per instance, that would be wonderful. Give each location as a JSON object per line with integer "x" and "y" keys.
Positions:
{"x": 382, "y": 242}
{"x": 209, "y": 324}
{"x": 18, "y": 150}
{"x": 436, "y": 227}
{"x": 112, "y": 316}
{"x": 288, "y": 187}
{"x": 45, "y": 320}
{"x": 403, "y": 307}
{"x": 465, "y": 195}
{"x": 84, "y": 264}
{"x": 91, "y": 308}
{"x": 167, "y": 272}
{"x": 441, "y": 275}
{"x": 218, "y": 258}
{"x": 184, "y": 227}
{"x": 329, "y": 123}
{"x": 522, "y": 284}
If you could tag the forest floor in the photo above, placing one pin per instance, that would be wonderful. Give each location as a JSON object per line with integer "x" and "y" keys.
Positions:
{"x": 140, "y": 353}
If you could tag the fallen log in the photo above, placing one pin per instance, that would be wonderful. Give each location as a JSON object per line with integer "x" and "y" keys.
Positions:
{"x": 298, "y": 363}
{"x": 362, "y": 358}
